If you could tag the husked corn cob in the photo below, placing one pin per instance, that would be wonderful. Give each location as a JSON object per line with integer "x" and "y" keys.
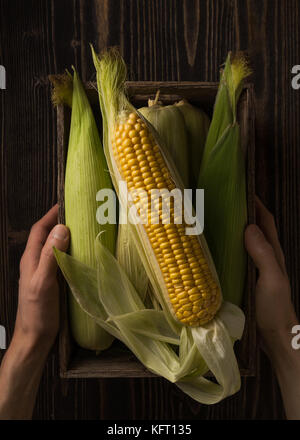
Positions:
{"x": 193, "y": 292}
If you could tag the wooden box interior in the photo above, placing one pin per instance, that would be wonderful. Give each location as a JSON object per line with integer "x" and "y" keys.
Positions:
{"x": 118, "y": 361}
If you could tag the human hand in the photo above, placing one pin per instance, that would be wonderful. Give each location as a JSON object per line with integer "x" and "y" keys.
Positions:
{"x": 37, "y": 319}
{"x": 275, "y": 314}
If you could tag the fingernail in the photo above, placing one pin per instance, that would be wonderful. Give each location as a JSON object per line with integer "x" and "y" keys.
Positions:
{"x": 60, "y": 232}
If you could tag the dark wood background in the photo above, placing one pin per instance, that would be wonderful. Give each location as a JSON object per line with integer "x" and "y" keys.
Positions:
{"x": 160, "y": 40}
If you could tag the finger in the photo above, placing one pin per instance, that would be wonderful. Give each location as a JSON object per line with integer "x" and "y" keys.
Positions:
{"x": 59, "y": 238}
{"x": 49, "y": 220}
{"x": 265, "y": 221}
{"x": 37, "y": 238}
{"x": 261, "y": 252}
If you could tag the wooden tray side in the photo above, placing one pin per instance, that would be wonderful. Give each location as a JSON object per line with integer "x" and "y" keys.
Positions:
{"x": 63, "y": 129}
{"x": 246, "y": 348}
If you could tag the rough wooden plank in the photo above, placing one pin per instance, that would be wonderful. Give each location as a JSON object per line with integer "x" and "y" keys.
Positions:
{"x": 161, "y": 40}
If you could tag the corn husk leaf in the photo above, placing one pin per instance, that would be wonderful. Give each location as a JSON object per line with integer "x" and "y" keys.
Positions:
{"x": 128, "y": 257}
{"x": 82, "y": 280}
{"x": 222, "y": 176}
{"x": 150, "y": 336}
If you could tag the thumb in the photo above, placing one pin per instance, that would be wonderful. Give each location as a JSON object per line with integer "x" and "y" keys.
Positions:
{"x": 261, "y": 251}
{"x": 58, "y": 237}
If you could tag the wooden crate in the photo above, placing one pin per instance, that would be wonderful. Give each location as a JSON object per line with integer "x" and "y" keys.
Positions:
{"x": 118, "y": 361}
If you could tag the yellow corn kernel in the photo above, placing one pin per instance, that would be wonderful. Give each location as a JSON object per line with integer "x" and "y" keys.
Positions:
{"x": 180, "y": 257}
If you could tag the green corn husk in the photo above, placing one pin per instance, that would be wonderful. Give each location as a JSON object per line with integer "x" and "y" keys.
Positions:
{"x": 169, "y": 123}
{"x": 223, "y": 178}
{"x": 128, "y": 257}
{"x": 147, "y": 332}
{"x": 86, "y": 173}
{"x": 196, "y": 124}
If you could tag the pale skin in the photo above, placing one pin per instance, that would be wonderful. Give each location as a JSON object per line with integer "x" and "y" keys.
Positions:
{"x": 37, "y": 319}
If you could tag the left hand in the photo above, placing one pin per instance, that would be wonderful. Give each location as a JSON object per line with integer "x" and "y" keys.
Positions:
{"x": 38, "y": 308}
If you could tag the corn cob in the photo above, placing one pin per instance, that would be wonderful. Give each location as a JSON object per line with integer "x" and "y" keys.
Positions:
{"x": 196, "y": 125}
{"x": 169, "y": 123}
{"x": 85, "y": 176}
{"x": 223, "y": 177}
{"x": 182, "y": 262}
{"x": 192, "y": 290}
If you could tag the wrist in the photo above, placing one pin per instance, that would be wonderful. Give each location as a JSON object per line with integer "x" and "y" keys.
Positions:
{"x": 20, "y": 374}
{"x": 30, "y": 347}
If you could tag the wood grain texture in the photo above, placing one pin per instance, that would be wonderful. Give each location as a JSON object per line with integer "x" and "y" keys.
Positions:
{"x": 160, "y": 40}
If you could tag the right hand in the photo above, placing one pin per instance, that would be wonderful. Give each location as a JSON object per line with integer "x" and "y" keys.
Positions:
{"x": 275, "y": 314}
